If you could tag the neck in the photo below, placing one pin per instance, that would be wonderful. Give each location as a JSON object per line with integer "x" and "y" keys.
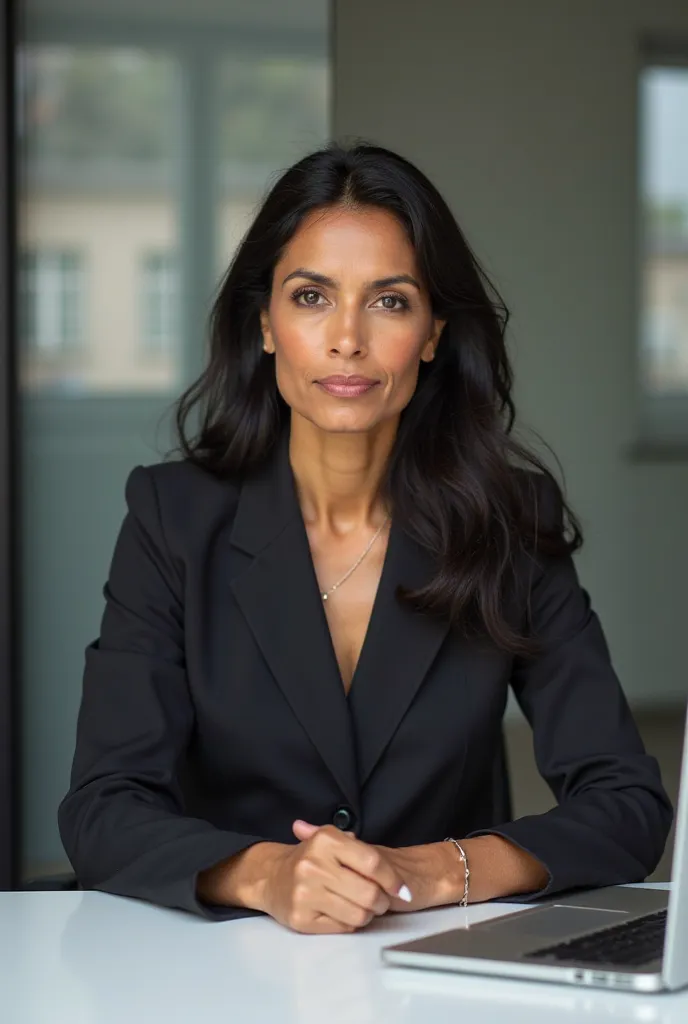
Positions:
{"x": 338, "y": 476}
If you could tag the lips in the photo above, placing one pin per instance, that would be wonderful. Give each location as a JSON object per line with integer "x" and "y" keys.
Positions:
{"x": 347, "y": 387}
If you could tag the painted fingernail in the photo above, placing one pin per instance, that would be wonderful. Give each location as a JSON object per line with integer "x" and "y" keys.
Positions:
{"x": 405, "y": 894}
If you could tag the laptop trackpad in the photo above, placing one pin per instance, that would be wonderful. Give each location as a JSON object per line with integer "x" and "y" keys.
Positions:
{"x": 555, "y": 922}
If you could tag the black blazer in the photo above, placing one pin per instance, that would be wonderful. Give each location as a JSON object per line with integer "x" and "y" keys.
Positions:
{"x": 213, "y": 712}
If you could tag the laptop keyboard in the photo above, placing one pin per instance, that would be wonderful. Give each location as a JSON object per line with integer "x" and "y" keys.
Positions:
{"x": 630, "y": 944}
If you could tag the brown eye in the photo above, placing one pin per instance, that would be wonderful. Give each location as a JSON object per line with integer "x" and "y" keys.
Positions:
{"x": 393, "y": 303}
{"x": 310, "y": 297}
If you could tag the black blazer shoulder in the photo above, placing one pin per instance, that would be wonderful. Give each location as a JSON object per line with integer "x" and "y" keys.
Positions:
{"x": 179, "y": 495}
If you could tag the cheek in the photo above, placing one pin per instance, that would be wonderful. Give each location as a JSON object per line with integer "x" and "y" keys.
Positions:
{"x": 401, "y": 356}
{"x": 294, "y": 343}
{"x": 294, "y": 363}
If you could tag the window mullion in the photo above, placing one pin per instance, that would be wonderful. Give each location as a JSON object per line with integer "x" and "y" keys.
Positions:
{"x": 197, "y": 206}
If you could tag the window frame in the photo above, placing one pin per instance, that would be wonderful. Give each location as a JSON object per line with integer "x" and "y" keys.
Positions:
{"x": 67, "y": 289}
{"x": 159, "y": 294}
{"x": 662, "y": 419}
{"x": 9, "y": 513}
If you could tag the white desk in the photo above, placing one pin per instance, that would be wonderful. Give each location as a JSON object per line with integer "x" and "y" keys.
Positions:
{"x": 88, "y": 958}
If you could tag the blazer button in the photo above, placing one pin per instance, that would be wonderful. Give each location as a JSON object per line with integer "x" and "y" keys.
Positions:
{"x": 344, "y": 819}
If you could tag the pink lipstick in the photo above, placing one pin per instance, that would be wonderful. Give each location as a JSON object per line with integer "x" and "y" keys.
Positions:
{"x": 347, "y": 387}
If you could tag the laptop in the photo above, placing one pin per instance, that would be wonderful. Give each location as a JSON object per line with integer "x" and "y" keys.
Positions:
{"x": 615, "y": 937}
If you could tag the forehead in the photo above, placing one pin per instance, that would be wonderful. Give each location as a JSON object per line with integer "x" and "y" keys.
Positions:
{"x": 366, "y": 240}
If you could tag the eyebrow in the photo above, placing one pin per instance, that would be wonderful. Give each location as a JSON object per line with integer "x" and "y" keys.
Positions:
{"x": 329, "y": 282}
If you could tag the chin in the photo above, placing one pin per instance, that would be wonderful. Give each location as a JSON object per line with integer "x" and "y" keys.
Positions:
{"x": 343, "y": 420}
{"x": 347, "y": 428}
{"x": 344, "y": 424}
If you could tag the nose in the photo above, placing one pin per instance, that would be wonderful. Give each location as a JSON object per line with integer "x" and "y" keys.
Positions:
{"x": 347, "y": 338}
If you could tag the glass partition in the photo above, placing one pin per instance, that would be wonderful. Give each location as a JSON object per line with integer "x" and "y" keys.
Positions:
{"x": 146, "y": 138}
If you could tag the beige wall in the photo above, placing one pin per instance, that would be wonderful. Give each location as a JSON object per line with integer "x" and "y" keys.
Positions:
{"x": 524, "y": 114}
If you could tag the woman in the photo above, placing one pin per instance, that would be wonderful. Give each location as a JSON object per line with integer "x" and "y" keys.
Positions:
{"x": 314, "y": 616}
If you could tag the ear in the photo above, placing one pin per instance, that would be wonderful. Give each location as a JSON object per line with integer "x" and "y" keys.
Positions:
{"x": 428, "y": 353}
{"x": 268, "y": 343}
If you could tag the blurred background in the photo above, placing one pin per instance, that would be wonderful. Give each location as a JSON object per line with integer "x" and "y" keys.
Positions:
{"x": 145, "y": 135}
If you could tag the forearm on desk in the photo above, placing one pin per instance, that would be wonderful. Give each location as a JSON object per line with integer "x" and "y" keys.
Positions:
{"x": 240, "y": 880}
{"x": 498, "y": 868}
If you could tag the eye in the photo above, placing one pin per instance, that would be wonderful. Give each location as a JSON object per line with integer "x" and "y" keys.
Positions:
{"x": 394, "y": 303}
{"x": 310, "y": 295}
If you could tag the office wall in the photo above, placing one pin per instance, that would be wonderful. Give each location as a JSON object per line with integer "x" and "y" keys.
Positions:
{"x": 524, "y": 114}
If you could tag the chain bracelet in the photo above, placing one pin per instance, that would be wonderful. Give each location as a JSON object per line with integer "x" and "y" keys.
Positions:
{"x": 463, "y": 902}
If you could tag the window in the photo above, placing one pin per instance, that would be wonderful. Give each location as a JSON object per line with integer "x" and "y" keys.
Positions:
{"x": 664, "y": 271}
{"x": 116, "y": 160}
{"x": 99, "y": 152}
{"x": 52, "y": 292}
{"x": 159, "y": 303}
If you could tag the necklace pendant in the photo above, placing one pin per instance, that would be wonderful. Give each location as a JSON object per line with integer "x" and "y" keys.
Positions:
{"x": 326, "y": 593}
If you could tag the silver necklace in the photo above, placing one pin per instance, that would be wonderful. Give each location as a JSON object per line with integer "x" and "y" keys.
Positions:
{"x": 326, "y": 593}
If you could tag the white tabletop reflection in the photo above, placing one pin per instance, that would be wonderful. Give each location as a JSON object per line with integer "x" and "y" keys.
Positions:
{"x": 88, "y": 958}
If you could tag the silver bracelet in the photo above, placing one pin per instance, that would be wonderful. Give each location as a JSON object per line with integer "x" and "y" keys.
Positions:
{"x": 463, "y": 902}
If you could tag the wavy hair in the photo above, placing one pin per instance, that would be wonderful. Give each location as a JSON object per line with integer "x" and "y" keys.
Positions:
{"x": 455, "y": 480}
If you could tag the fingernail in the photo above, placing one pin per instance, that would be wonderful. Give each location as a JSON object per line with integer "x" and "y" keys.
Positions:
{"x": 405, "y": 894}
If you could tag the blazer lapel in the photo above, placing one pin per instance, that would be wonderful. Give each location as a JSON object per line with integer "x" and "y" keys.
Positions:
{"x": 278, "y": 594}
{"x": 399, "y": 648}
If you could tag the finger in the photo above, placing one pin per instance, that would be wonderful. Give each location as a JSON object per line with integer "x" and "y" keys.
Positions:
{"x": 324, "y": 925}
{"x": 318, "y": 924}
{"x": 363, "y": 892}
{"x": 371, "y": 863}
{"x": 340, "y": 909}
{"x": 303, "y": 829}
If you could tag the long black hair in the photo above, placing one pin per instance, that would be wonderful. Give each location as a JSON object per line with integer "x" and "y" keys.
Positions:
{"x": 455, "y": 480}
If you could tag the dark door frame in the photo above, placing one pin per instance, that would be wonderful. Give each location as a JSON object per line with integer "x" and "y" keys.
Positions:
{"x": 9, "y": 632}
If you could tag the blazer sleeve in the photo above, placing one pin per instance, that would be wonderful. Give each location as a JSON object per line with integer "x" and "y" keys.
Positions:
{"x": 122, "y": 822}
{"x": 613, "y": 816}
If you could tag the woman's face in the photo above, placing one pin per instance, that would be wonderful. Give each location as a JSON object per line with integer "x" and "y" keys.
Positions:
{"x": 349, "y": 320}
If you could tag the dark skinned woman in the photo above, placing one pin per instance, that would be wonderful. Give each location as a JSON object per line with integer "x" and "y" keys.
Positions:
{"x": 314, "y": 615}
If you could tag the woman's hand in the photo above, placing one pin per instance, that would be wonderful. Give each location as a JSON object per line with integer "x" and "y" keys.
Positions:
{"x": 432, "y": 873}
{"x": 436, "y": 874}
{"x": 331, "y": 882}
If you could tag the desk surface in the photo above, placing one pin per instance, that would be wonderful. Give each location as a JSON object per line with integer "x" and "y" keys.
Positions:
{"x": 89, "y": 958}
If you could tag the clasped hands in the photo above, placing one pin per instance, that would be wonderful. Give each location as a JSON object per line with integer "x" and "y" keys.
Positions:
{"x": 332, "y": 882}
